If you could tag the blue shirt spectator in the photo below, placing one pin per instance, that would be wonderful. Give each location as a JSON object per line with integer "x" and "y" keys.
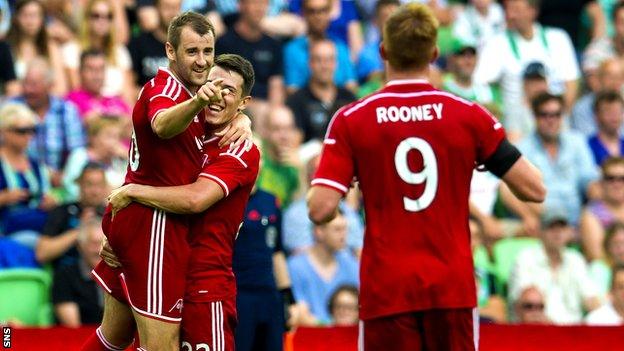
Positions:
{"x": 370, "y": 61}
{"x": 599, "y": 151}
{"x": 338, "y": 27}
{"x": 297, "y": 71}
{"x": 297, "y": 227}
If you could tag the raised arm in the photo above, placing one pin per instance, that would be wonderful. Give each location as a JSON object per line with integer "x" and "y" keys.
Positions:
{"x": 191, "y": 198}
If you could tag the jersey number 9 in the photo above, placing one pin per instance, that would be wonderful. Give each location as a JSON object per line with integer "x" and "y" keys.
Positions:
{"x": 429, "y": 173}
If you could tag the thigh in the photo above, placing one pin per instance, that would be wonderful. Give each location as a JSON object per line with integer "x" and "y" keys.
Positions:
{"x": 109, "y": 279}
{"x": 153, "y": 250}
{"x": 451, "y": 329}
{"x": 402, "y": 332}
{"x": 118, "y": 326}
{"x": 209, "y": 326}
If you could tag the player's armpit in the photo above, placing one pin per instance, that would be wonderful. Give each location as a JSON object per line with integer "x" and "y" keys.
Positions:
{"x": 322, "y": 203}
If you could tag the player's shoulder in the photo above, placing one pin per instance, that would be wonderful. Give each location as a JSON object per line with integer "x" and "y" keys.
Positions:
{"x": 248, "y": 153}
{"x": 163, "y": 84}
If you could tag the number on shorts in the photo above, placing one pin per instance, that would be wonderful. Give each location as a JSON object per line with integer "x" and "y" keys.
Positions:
{"x": 429, "y": 173}
{"x": 186, "y": 346}
{"x": 134, "y": 153}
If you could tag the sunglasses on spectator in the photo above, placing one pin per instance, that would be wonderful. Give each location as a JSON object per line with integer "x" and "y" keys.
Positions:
{"x": 24, "y": 130}
{"x": 614, "y": 178}
{"x": 106, "y": 16}
{"x": 547, "y": 114}
{"x": 318, "y": 10}
{"x": 532, "y": 306}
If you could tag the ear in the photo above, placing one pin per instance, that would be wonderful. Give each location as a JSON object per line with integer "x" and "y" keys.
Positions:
{"x": 169, "y": 49}
{"x": 382, "y": 51}
{"x": 436, "y": 54}
{"x": 243, "y": 103}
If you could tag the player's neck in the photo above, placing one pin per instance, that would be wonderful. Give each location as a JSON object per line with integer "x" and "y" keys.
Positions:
{"x": 187, "y": 85}
{"x": 392, "y": 74}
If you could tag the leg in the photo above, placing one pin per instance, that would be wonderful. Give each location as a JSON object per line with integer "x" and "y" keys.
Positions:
{"x": 274, "y": 337}
{"x": 157, "y": 334}
{"x": 208, "y": 326}
{"x": 401, "y": 332}
{"x": 451, "y": 329}
{"x": 246, "y": 328}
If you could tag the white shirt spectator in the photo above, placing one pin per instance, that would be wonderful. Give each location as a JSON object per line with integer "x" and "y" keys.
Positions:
{"x": 474, "y": 29}
{"x": 564, "y": 288}
{"x": 605, "y": 315}
{"x": 504, "y": 58}
{"x": 484, "y": 190}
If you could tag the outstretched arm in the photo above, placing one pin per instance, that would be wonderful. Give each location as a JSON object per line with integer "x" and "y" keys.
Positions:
{"x": 183, "y": 199}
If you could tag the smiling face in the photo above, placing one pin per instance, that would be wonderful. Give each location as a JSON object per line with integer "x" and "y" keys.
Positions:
{"x": 222, "y": 112}
{"x": 193, "y": 58}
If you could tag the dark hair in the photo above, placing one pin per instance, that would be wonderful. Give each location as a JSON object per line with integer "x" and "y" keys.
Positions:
{"x": 90, "y": 53}
{"x": 606, "y": 96}
{"x": 542, "y": 99}
{"x": 92, "y": 166}
{"x": 614, "y": 272}
{"x": 15, "y": 34}
{"x": 343, "y": 288}
{"x": 198, "y": 23}
{"x": 533, "y": 3}
{"x": 240, "y": 65}
{"x": 610, "y": 232}
{"x": 384, "y": 3}
{"x": 609, "y": 162}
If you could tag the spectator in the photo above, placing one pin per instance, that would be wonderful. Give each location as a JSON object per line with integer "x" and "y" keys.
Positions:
{"x": 57, "y": 243}
{"x": 298, "y": 229}
{"x": 29, "y": 39}
{"x": 601, "y": 49}
{"x": 506, "y": 56}
{"x": 324, "y": 267}
{"x": 24, "y": 185}
{"x": 105, "y": 147}
{"x": 296, "y": 74}
{"x": 610, "y": 76}
{"x": 609, "y": 113}
{"x": 600, "y": 214}
{"x": 279, "y": 173}
{"x": 9, "y": 84}
{"x": 5, "y": 19}
{"x": 89, "y": 98}
{"x": 370, "y": 62}
{"x": 529, "y": 307}
{"x": 480, "y": 21}
{"x": 563, "y": 157}
{"x": 565, "y": 14}
{"x": 247, "y": 39}
{"x": 97, "y": 31}
{"x": 60, "y": 22}
{"x": 520, "y": 122}
{"x": 75, "y": 295}
{"x": 345, "y": 23}
{"x": 344, "y": 306}
{"x": 147, "y": 50}
{"x": 60, "y": 129}
{"x": 612, "y": 312}
{"x": 560, "y": 273}
{"x": 461, "y": 64}
{"x": 315, "y": 104}
{"x": 600, "y": 269}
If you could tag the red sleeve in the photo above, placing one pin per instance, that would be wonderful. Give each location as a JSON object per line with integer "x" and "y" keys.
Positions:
{"x": 161, "y": 97}
{"x": 336, "y": 164}
{"x": 489, "y": 133}
{"x": 235, "y": 168}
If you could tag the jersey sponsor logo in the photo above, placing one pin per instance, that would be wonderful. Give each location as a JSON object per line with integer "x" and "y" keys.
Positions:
{"x": 177, "y": 306}
{"x": 426, "y": 112}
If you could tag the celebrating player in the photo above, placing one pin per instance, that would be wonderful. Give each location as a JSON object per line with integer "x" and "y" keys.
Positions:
{"x": 224, "y": 186}
{"x": 167, "y": 149}
{"x": 413, "y": 149}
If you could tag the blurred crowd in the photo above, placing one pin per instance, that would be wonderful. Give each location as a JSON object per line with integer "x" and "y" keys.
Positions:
{"x": 551, "y": 71}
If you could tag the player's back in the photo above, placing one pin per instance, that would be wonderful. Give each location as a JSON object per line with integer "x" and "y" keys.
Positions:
{"x": 162, "y": 162}
{"x": 413, "y": 150}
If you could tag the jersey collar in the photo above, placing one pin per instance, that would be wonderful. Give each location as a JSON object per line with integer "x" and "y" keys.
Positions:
{"x": 167, "y": 71}
{"x": 408, "y": 84}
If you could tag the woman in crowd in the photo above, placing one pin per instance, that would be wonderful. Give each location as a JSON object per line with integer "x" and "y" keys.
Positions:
{"x": 600, "y": 270}
{"x": 24, "y": 184}
{"x": 28, "y": 39}
{"x": 97, "y": 31}
{"x": 599, "y": 214}
{"x": 105, "y": 147}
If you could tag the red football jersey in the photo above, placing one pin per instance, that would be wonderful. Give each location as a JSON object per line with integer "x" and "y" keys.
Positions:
{"x": 213, "y": 232}
{"x": 164, "y": 162}
{"x": 413, "y": 149}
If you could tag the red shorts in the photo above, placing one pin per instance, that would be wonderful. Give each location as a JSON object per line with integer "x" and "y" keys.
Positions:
{"x": 443, "y": 329}
{"x": 153, "y": 250}
{"x": 208, "y": 325}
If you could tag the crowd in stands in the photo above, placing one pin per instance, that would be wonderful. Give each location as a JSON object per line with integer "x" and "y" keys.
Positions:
{"x": 551, "y": 71}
